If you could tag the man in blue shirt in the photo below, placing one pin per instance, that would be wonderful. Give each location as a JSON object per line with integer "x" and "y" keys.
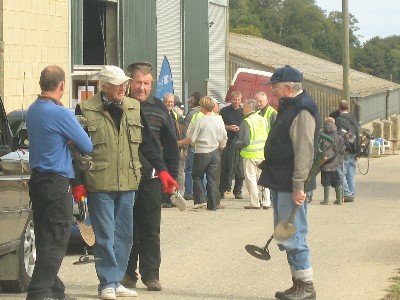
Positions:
{"x": 51, "y": 128}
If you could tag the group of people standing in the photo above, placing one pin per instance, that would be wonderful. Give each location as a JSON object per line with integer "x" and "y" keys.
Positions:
{"x": 135, "y": 158}
{"x": 246, "y": 125}
{"x": 340, "y": 168}
{"x": 139, "y": 148}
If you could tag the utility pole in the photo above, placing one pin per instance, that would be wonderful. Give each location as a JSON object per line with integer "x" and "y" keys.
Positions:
{"x": 346, "y": 51}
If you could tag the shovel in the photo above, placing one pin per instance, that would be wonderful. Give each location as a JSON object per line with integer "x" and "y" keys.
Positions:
{"x": 285, "y": 229}
{"x": 85, "y": 229}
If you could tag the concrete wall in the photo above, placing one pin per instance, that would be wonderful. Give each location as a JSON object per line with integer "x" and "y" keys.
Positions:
{"x": 35, "y": 35}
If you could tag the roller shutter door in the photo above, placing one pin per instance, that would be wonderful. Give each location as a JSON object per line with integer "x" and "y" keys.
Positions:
{"x": 217, "y": 51}
{"x": 169, "y": 40}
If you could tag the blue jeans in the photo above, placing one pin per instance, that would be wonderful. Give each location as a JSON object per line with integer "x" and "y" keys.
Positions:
{"x": 298, "y": 254}
{"x": 188, "y": 172}
{"x": 111, "y": 214}
{"x": 348, "y": 179}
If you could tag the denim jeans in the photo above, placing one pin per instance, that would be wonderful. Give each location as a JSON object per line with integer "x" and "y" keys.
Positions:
{"x": 206, "y": 163}
{"x": 111, "y": 215}
{"x": 188, "y": 172}
{"x": 298, "y": 254}
{"x": 348, "y": 179}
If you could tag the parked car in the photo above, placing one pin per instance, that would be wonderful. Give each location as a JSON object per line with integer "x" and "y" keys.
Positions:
{"x": 16, "y": 120}
{"x": 17, "y": 238}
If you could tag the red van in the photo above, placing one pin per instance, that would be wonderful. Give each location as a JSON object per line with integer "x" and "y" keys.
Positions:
{"x": 249, "y": 82}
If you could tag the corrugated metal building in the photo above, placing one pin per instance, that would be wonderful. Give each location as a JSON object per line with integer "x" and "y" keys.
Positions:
{"x": 191, "y": 33}
{"x": 372, "y": 98}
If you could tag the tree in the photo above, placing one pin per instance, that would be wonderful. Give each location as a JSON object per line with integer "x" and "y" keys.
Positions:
{"x": 302, "y": 25}
{"x": 380, "y": 57}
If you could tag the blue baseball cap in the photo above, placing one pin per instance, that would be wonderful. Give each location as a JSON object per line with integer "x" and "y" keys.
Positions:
{"x": 286, "y": 74}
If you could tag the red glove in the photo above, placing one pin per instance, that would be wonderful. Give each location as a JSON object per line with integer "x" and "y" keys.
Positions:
{"x": 168, "y": 182}
{"x": 78, "y": 191}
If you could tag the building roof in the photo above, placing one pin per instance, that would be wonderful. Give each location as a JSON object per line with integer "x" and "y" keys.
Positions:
{"x": 314, "y": 69}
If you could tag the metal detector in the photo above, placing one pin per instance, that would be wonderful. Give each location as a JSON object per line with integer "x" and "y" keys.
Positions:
{"x": 285, "y": 229}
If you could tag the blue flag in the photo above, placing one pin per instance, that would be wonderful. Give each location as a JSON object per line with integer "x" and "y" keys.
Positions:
{"x": 165, "y": 83}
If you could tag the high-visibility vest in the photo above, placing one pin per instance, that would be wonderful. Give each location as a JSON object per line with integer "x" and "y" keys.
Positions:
{"x": 195, "y": 116}
{"x": 258, "y": 135}
{"x": 267, "y": 116}
{"x": 199, "y": 115}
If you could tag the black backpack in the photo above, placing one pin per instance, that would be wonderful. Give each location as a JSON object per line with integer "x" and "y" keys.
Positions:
{"x": 348, "y": 129}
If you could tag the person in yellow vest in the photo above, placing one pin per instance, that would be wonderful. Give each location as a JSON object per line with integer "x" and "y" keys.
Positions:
{"x": 251, "y": 141}
{"x": 266, "y": 110}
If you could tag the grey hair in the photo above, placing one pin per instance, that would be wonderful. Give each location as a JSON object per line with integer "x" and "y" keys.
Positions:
{"x": 168, "y": 95}
{"x": 253, "y": 104}
{"x": 261, "y": 94}
{"x": 297, "y": 86}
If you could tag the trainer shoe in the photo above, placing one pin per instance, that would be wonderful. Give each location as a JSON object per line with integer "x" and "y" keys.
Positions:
{"x": 122, "y": 291}
{"x": 166, "y": 205}
{"x": 238, "y": 196}
{"x": 251, "y": 207}
{"x": 127, "y": 281}
{"x": 200, "y": 205}
{"x": 348, "y": 199}
{"x": 107, "y": 294}
{"x": 153, "y": 285}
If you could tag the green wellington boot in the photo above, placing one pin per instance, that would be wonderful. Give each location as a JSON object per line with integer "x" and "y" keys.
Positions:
{"x": 326, "y": 195}
{"x": 339, "y": 195}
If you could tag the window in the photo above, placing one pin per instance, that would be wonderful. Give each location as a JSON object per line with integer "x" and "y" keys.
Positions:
{"x": 97, "y": 43}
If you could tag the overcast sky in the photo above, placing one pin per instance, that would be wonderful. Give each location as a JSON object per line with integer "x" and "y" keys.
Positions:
{"x": 375, "y": 18}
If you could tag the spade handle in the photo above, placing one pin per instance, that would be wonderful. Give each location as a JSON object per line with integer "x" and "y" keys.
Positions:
{"x": 293, "y": 214}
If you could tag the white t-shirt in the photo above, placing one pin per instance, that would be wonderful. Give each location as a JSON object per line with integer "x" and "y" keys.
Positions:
{"x": 207, "y": 133}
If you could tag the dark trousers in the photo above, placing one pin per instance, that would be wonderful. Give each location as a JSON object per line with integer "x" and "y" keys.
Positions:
{"x": 206, "y": 163}
{"x": 146, "y": 231}
{"x": 231, "y": 167}
{"x": 52, "y": 216}
{"x": 330, "y": 178}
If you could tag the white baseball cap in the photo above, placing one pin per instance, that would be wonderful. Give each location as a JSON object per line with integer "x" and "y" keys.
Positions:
{"x": 113, "y": 75}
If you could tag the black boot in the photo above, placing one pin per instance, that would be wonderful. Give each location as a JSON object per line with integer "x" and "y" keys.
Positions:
{"x": 304, "y": 291}
{"x": 281, "y": 294}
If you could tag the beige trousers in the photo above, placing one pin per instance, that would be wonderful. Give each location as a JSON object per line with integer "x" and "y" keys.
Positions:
{"x": 258, "y": 195}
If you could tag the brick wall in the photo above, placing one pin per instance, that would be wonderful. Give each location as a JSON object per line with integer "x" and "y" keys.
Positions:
{"x": 35, "y": 35}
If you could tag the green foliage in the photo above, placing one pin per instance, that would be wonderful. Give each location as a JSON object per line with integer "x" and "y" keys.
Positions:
{"x": 380, "y": 57}
{"x": 302, "y": 25}
{"x": 248, "y": 30}
{"x": 394, "y": 290}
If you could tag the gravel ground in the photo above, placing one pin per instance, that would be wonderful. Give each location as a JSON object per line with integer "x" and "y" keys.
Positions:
{"x": 355, "y": 248}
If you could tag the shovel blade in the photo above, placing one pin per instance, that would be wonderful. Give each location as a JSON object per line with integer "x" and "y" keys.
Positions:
{"x": 284, "y": 230}
{"x": 87, "y": 233}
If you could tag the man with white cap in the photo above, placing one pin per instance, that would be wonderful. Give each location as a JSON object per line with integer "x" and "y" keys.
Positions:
{"x": 115, "y": 126}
